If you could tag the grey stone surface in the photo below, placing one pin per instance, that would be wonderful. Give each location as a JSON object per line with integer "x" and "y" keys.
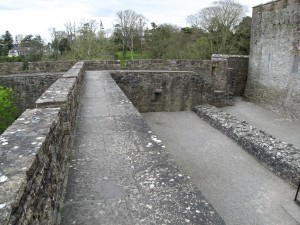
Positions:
{"x": 215, "y": 70}
{"x": 30, "y": 170}
{"x": 11, "y": 68}
{"x": 240, "y": 189}
{"x": 49, "y": 66}
{"x": 102, "y": 64}
{"x": 280, "y": 157}
{"x": 274, "y": 64}
{"x": 157, "y": 90}
{"x": 120, "y": 172}
{"x": 239, "y": 65}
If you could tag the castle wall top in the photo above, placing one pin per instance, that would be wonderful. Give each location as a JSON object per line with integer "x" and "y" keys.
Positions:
{"x": 274, "y": 5}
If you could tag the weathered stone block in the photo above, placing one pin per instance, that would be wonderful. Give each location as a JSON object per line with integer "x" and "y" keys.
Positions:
{"x": 29, "y": 159}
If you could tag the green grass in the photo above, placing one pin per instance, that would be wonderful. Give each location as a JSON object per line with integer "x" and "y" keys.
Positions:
{"x": 136, "y": 56}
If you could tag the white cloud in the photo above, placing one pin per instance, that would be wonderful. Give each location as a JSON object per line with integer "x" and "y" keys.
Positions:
{"x": 37, "y": 16}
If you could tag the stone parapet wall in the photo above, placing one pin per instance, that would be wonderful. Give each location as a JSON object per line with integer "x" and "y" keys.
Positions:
{"x": 280, "y": 157}
{"x": 102, "y": 64}
{"x": 171, "y": 64}
{"x": 34, "y": 154}
{"x": 11, "y": 68}
{"x": 49, "y": 66}
{"x": 239, "y": 65}
{"x": 216, "y": 71}
{"x": 168, "y": 90}
{"x": 28, "y": 87}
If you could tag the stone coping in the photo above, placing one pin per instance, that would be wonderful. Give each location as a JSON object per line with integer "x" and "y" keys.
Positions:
{"x": 57, "y": 93}
{"x": 31, "y": 74}
{"x": 21, "y": 147}
{"x": 220, "y": 56}
{"x": 151, "y": 71}
{"x": 280, "y": 157}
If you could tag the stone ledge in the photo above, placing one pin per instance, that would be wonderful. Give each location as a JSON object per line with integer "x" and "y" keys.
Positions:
{"x": 280, "y": 157}
{"x": 57, "y": 93}
{"x": 25, "y": 163}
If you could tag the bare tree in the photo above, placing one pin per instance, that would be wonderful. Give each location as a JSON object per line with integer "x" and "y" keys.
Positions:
{"x": 141, "y": 24}
{"x": 128, "y": 23}
{"x": 71, "y": 30}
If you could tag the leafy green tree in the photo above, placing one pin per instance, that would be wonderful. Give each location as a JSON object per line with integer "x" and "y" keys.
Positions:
{"x": 6, "y": 43}
{"x": 241, "y": 39}
{"x": 8, "y": 40}
{"x": 64, "y": 45}
{"x": 7, "y": 108}
{"x": 158, "y": 40}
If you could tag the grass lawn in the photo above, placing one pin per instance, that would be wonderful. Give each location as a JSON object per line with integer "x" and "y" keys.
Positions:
{"x": 136, "y": 55}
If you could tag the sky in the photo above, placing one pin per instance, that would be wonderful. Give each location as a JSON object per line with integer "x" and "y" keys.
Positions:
{"x": 36, "y": 17}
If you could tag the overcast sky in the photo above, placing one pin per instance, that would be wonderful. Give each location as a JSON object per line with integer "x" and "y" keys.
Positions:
{"x": 37, "y": 16}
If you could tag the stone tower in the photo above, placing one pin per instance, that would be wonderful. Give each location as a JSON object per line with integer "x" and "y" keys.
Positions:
{"x": 274, "y": 64}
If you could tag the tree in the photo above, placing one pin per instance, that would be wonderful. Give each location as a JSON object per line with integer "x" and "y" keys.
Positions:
{"x": 90, "y": 42}
{"x": 8, "y": 40}
{"x": 32, "y": 47}
{"x": 141, "y": 26}
{"x": 159, "y": 40}
{"x": 64, "y": 45}
{"x": 57, "y": 36}
{"x": 129, "y": 25}
{"x": 6, "y": 43}
{"x": 219, "y": 22}
{"x": 241, "y": 40}
{"x": 71, "y": 31}
{"x": 7, "y": 108}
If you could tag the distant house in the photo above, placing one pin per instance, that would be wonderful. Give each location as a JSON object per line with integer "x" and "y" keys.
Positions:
{"x": 14, "y": 52}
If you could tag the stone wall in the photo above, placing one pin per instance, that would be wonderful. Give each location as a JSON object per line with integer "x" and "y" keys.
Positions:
{"x": 49, "y": 66}
{"x": 280, "y": 157}
{"x": 215, "y": 70}
{"x": 34, "y": 154}
{"x": 239, "y": 65}
{"x": 102, "y": 64}
{"x": 28, "y": 87}
{"x": 169, "y": 90}
{"x": 274, "y": 64}
{"x": 11, "y": 68}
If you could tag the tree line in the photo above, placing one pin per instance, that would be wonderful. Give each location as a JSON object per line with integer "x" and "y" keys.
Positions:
{"x": 221, "y": 28}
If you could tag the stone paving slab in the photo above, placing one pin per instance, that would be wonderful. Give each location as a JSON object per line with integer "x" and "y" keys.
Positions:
{"x": 120, "y": 172}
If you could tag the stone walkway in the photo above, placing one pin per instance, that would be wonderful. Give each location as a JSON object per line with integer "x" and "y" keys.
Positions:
{"x": 120, "y": 172}
{"x": 239, "y": 187}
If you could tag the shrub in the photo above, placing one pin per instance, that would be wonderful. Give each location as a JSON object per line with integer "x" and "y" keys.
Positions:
{"x": 7, "y": 108}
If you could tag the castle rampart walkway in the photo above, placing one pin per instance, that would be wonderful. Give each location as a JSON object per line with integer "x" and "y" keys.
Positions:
{"x": 120, "y": 172}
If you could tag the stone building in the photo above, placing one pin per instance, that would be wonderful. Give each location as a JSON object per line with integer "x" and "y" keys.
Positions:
{"x": 274, "y": 64}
